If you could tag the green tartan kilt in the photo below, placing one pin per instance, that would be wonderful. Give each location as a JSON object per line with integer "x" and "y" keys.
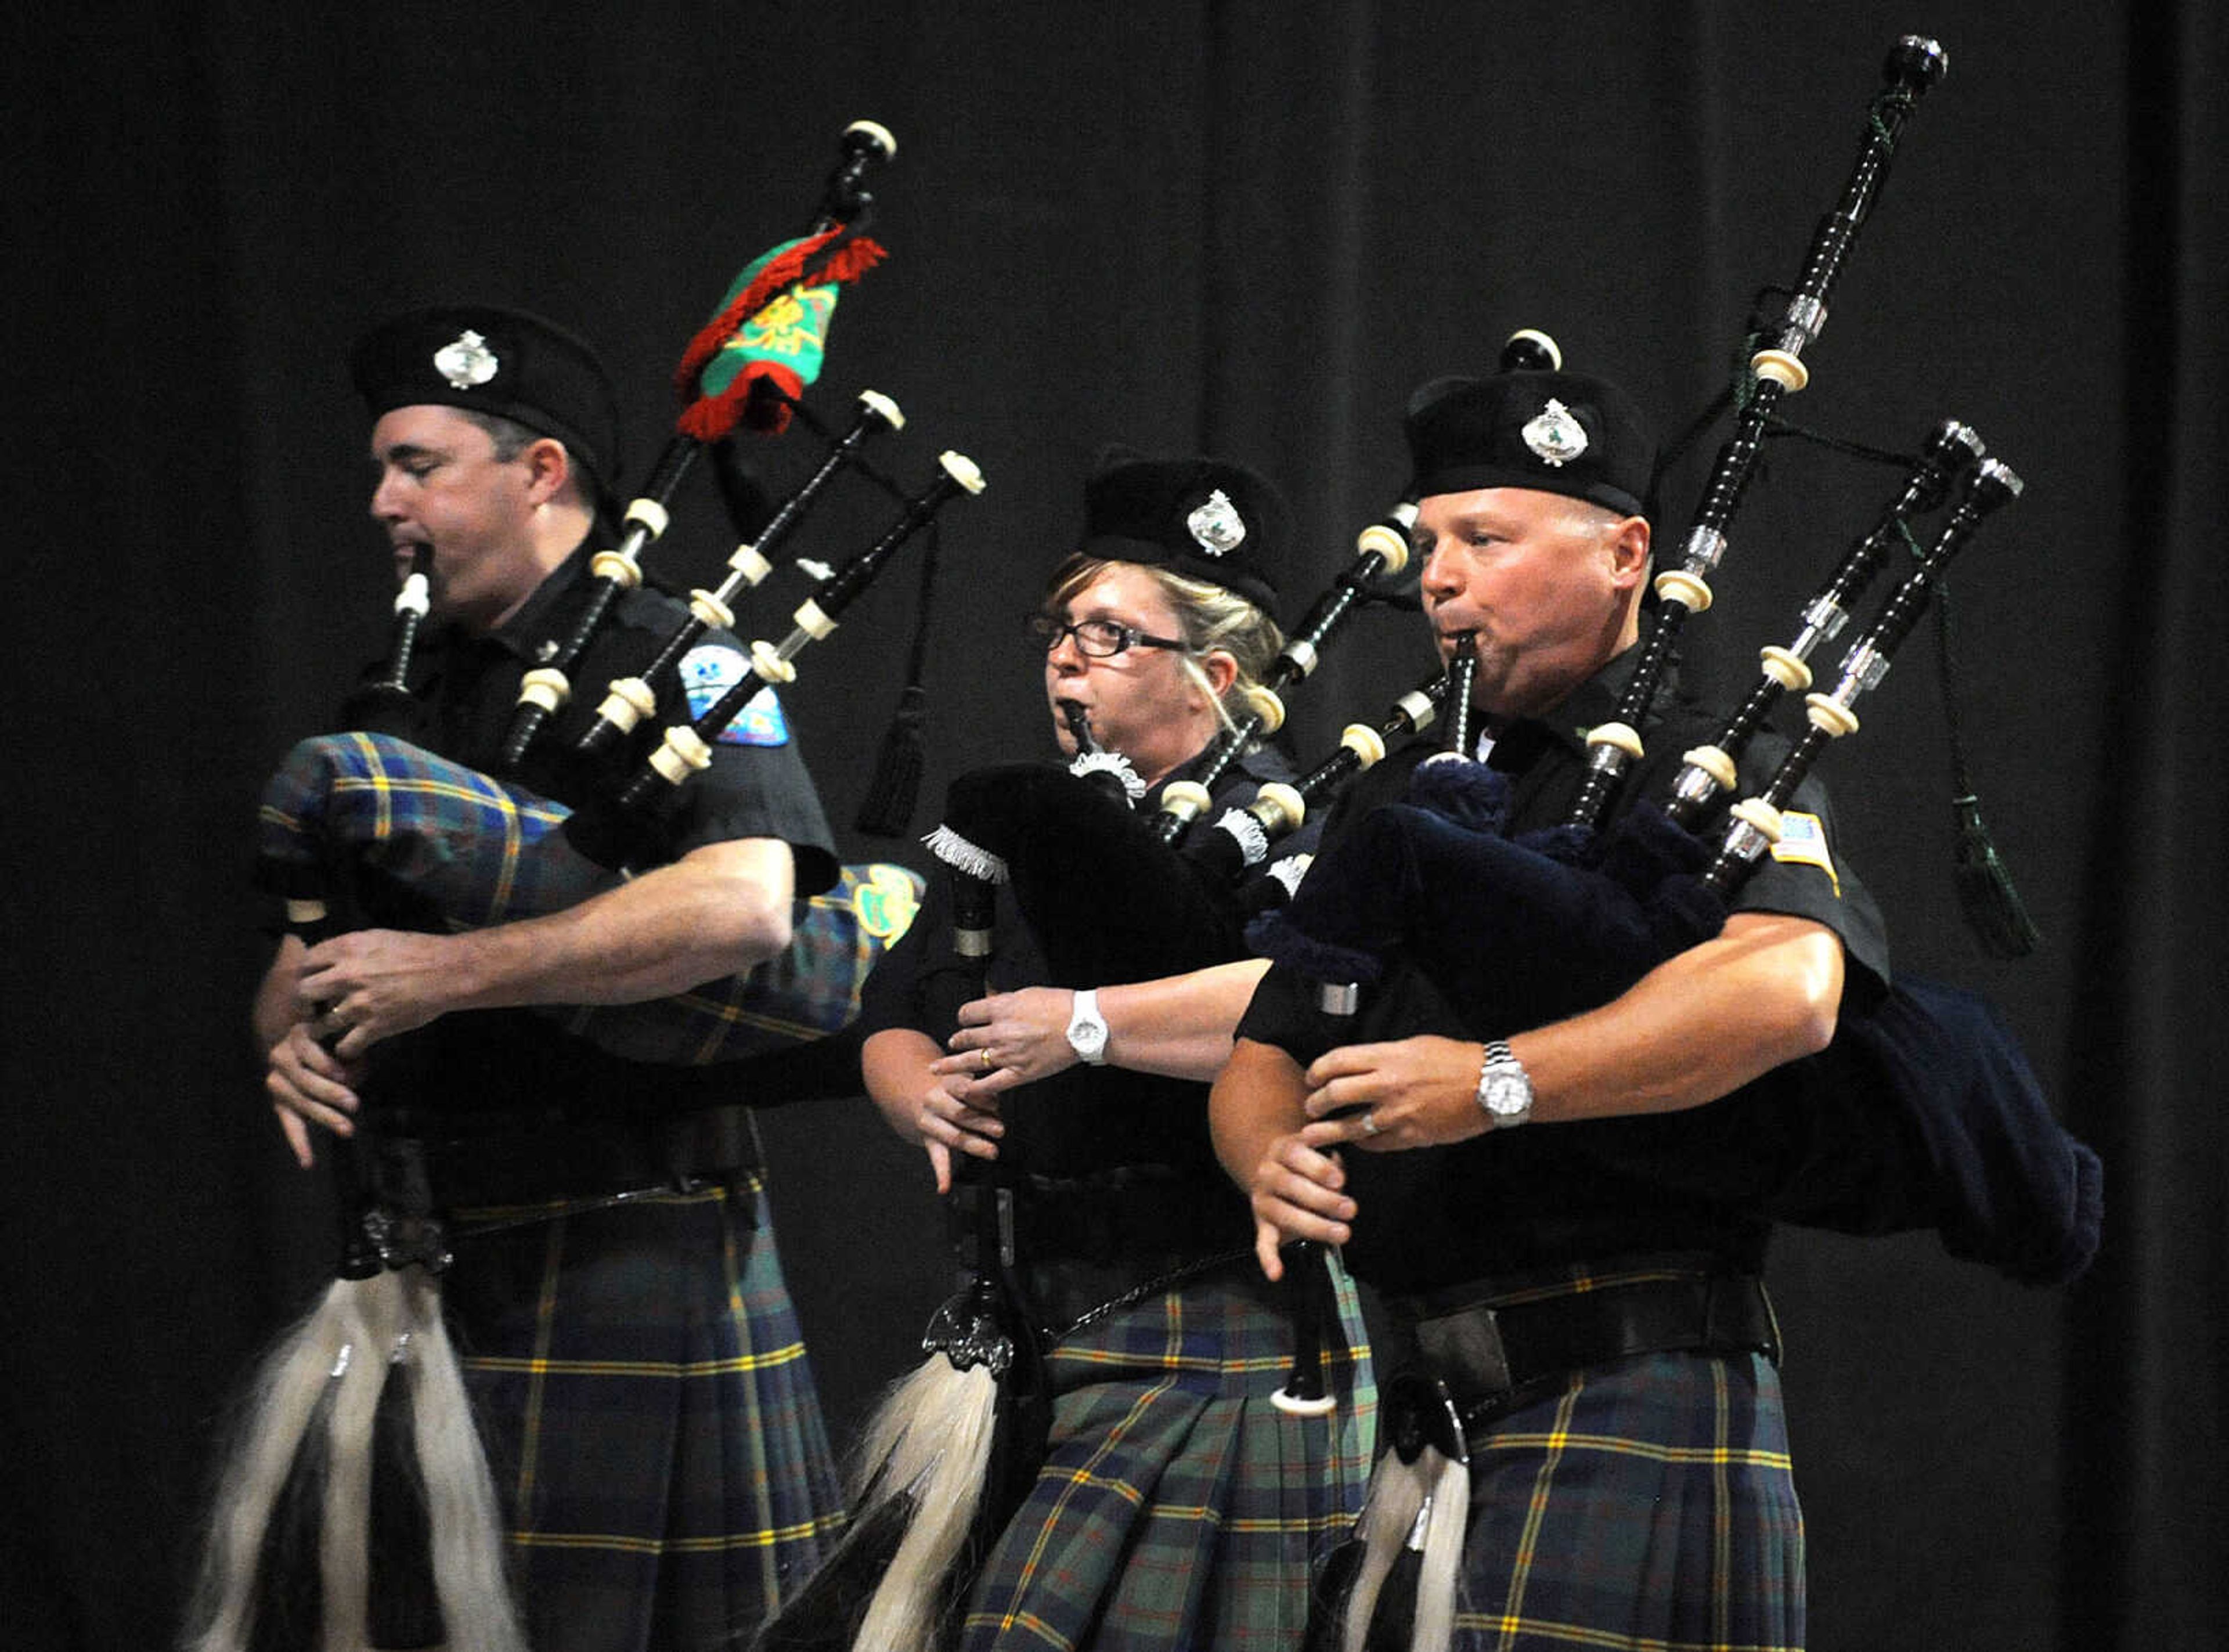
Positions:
{"x": 1647, "y": 1502}
{"x": 650, "y": 1418}
{"x": 1178, "y": 1508}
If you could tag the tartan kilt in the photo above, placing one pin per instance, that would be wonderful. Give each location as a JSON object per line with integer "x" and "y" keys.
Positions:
{"x": 650, "y": 1418}
{"x": 1650, "y": 1502}
{"x": 1178, "y": 1509}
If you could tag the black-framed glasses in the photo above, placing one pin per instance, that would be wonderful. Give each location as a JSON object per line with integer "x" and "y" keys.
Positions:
{"x": 1097, "y": 638}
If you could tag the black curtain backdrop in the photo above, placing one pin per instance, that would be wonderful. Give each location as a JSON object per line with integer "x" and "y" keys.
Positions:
{"x": 1253, "y": 227}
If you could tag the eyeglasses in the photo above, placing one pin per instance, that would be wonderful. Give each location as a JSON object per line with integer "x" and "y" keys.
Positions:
{"x": 1095, "y": 638}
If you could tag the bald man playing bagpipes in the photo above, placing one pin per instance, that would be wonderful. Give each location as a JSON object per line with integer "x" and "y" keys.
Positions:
{"x": 635, "y": 1367}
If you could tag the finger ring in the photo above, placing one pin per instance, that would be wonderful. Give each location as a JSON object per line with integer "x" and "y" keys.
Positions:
{"x": 986, "y": 1053}
{"x": 1370, "y": 1124}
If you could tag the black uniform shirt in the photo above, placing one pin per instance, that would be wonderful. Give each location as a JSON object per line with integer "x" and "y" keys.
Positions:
{"x": 504, "y": 1065}
{"x": 1085, "y": 1119}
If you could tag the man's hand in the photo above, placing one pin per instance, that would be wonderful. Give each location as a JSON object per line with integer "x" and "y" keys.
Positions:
{"x": 1295, "y": 1193}
{"x": 372, "y": 984}
{"x": 955, "y": 1116}
{"x": 308, "y": 1085}
{"x": 1419, "y": 1092}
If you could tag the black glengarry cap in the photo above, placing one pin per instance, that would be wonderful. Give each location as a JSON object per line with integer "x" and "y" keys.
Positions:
{"x": 1205, "y": 518}
{"x": 508, "y": 362}
{"x": 1554, "y": 433}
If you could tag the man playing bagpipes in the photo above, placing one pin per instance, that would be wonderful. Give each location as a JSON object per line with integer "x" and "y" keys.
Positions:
{"x": 1165, "y": 1501}
{"x": 634, "y": 1364}
{"x": 1599, "y": 1322}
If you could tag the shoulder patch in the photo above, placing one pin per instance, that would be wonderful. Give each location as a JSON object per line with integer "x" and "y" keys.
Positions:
{"x": 708, "y": 672}
{"x": 1803, "y": 842}
{"x": 886, "y": 900}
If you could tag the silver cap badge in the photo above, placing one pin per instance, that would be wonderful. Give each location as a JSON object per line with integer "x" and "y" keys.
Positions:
{"x": 1217, "y": 524}
{"x": 467, "y": 360}
{"x": 1554, "y": 435}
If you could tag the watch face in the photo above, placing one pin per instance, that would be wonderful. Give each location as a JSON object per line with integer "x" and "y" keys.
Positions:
{"x": 1507, "y": 1094}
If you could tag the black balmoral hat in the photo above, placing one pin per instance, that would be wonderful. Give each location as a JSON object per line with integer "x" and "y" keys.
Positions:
{"x": 508, "y": 362}
{"x": 1555, "y": 432}
{"x": 1205, "y": 518}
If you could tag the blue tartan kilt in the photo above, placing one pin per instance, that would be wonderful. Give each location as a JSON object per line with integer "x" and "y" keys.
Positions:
{"x": 1647, "y": 1503}
{"x": 1178, "y": 1509}
{"x": 650, "y": 1416}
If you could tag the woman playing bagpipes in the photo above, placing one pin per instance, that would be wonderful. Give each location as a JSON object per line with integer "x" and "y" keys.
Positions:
{"x": 1164, "y": 1501}
{"x": 1597, "y": 1319}
{"x": 633, "y": 1358}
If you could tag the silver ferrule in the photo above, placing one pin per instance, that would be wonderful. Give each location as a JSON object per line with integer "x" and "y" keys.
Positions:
{"x": 1705, "y": 547}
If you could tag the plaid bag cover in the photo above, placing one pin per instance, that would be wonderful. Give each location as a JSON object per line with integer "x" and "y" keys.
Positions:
{"x": 482, "y": 852}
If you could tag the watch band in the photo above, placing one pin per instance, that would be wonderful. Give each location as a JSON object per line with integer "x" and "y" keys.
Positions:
{"x": 1087, "y": 1028}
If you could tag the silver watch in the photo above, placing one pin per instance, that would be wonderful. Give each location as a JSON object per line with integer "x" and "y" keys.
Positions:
{"x": 1087, "y": 1029}
{"x": 1504, "y": 1090}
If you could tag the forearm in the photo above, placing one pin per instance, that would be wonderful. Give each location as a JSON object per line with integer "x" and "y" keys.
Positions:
{"x": 716, "y": 912}
{"x": 895, "y": 1064}
{"x": 1698, "y": 1027}
{"x": 1261, "y": 1096}
{"x": 277, "y": 1004}
{"x": 1180, "y": 1026}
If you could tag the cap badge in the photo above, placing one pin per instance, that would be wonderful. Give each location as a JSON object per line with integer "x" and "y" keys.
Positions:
{"x": 466, "y": 362}
{"x": 1216, "y": 526}
{"x": 1554, "y": 435}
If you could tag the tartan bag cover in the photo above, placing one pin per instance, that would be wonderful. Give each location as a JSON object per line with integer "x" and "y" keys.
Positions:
{"x": 482, "y": 852}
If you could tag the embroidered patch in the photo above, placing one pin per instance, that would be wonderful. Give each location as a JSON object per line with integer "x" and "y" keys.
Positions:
{"x": 886, "y": 902}
{"x": 708, "y": 673}
{"x": 1803, "y": 842}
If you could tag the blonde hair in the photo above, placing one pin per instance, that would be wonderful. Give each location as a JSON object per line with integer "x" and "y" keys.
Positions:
{"x": 1209, "y": 616}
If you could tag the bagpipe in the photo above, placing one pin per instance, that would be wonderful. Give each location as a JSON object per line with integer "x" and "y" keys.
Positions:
{"x": 357, "y": 1494}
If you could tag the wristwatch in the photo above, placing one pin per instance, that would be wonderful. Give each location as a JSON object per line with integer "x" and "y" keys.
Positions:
{"x": 1087, "y": 1029}
{"x": 1504, "y": 1090}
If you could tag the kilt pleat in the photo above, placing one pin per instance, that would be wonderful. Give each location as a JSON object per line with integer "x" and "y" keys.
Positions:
{"x": 1649, "y": 1504}
{"x": 651, "y": 1418}
{"x": 1176, "y": 1507}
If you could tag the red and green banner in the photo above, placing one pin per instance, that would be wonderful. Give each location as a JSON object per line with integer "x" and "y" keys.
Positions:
{"x": 771, "y": 326}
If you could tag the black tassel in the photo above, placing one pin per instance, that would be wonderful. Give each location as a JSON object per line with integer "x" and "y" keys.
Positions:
{"x": 1994, "y": 909}
{"x": 887, "y": 810}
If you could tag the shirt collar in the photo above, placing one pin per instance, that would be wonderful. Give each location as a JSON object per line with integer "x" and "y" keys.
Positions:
{"x": 535, "y": 620}
{"x": 1593, "y": 701}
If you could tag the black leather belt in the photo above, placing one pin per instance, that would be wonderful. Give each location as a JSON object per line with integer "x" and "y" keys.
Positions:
{"x": 573, "y": 1158}
{"x": 1490, "y": 1354}
{"x": 1147, "y": 1216}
